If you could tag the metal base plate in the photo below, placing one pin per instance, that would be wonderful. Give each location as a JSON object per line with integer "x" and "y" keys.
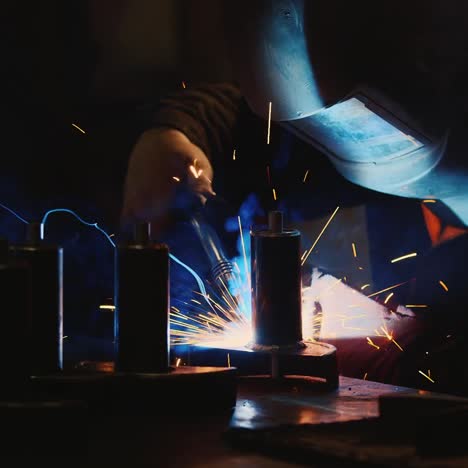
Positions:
{"x": 314, "y": 360}
{"x": 183, "y": 389}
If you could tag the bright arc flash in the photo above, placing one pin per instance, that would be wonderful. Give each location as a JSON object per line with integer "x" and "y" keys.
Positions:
{"x": 320, "y": 235}
{"x": 404, "y": 257}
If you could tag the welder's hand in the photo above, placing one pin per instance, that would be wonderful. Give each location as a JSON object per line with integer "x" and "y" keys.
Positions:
{"x": 163, "y": 162}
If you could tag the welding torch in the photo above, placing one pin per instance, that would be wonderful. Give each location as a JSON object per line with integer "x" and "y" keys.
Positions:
{"x": 222, "y": 271}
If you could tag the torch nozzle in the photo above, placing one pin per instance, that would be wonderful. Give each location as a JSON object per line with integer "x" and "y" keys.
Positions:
{"x": 222, "y": 271}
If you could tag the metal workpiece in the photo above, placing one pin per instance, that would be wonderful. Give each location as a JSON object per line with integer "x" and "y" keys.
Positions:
{"x": 15, "y": 334}
{"x": 46, "y": 268}
{"x": 276, "y": 284}
{"x": 142, "y": 304}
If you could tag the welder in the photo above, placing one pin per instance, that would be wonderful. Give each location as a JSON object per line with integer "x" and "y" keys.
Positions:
{"x": 376, "y": 87}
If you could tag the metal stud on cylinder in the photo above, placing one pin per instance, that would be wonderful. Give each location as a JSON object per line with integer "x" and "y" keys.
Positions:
{"x": 142, "y": 304}
{"x": 276, "y": 284}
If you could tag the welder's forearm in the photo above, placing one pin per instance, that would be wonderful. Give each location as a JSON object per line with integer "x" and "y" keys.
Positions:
{"x": 206, "y": 114}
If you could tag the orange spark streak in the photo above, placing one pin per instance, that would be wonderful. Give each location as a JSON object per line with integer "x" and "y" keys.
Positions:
{"x": 234, "y": 155}
{"x": 388, "y": 297}
{"x": 415, "y": 305}
{"x": 305, "y": 176}
{"x": 443, "y": 285}
{"x": 365, "y": 376}
{"x": 354, "y": 250}
{"x": 228, "y": 360}
{"x": 320, "y": 235}
{"x": 397, "y": 345}
{"x": 427, "y": 377}
{"x": 78, "y": 128}
{"x": 274, "y": 194}
{"x": 372, "y": 343}
{"x": 184, "y": 85}
{"x": 107, "y": 307}
{"x": 176, "y": 178}
{"x": 364, "y": 286}
{"x": 194, "y": 171}
{"x": 178, "y": 362}
{"x": 386, "y": 289}
{"x": 429, "y": 200}
{"x": 413, "y": 254}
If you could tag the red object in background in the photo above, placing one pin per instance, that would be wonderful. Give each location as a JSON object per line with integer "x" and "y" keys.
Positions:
{"x": 439, "y": 231}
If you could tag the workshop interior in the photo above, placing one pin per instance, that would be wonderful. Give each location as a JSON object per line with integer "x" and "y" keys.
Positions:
{"x": 311, "y": 310}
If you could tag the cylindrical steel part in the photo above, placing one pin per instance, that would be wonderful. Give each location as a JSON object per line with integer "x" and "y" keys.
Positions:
{"x": 276, "y": 287}
{"x": 142, "y": 307}
{"x": 15, "y": 331}
{"x": 46, "y": 266}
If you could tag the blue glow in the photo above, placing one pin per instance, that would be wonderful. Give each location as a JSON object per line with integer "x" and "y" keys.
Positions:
{"x": 14, "y": 213}
{"x": 81, "y": 220}
{"x": 195, "y": 275}
{"x": 352, "y": 131}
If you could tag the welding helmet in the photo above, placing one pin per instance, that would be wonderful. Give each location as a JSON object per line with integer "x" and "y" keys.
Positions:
{"x": 376, "y": 86}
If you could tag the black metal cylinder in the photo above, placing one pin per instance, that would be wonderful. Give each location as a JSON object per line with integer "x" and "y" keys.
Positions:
{"x": 276, "y": 284}
{"x": 142, "y": 305}
{"x": 15, "y": 324}
{"x": 46, "y": 266}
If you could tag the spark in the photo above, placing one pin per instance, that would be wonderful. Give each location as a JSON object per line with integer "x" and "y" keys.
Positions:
{"x": 364, "y": 286}
{"x": 228, "y": 360}
{"x": 64, "y": 337}
{"x": 234, "y": 155}
{"x": 388, "y": 297}
{"x": 354, "y": 250}
{"x": 413, "y": 254}
{"x": 387, "y": 289}
{"x": 269, "y": 123}
{"x": 305, "y": 176}
{"x": 107, "y": 307}
{"x": 194, "y": 171}
{"x": 303, "y": 255}
{"x": 320, "y": 235}
{"x": 274, "y": 194}
{"x": 78, "y": 128}
{"x": 372, "y": 343}
{"x": 177, "y": 179}
{"x": 443, "y": 285}
{"x": 416, "y": 305}
{"x": 429, "y": 200}
{"x": 365, "y": 376}
{"x": 184, "y": 85}
{"x": 178, "y": 362}
{"x": 396, "y": 344}
{"x": 196, "y": 302}
{"x": 425, "y": 375}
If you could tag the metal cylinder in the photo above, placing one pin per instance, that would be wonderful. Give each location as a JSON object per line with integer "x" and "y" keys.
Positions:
{"x": 276, "y": 284}
{"x": 15, "y": 329}
{"x": 142, "y": 304}
{"x": 46, "y": 265}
